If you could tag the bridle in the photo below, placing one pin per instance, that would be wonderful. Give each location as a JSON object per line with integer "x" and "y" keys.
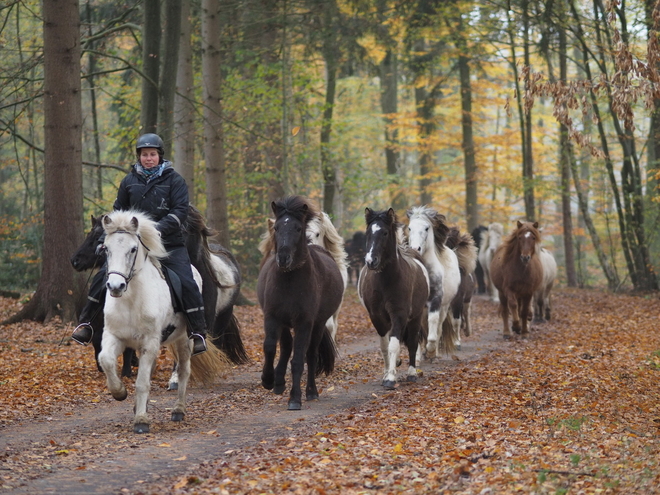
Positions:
{"x": 131, "y": 273}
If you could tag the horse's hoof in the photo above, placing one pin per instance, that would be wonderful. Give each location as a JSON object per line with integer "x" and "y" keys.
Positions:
{"x": 267, "y": 383}
{"x": 294, "y": 405}
{"x": 120, "y": 395}
{"x": 312, "y": 396}
{"x": 173, "y": 386}
{"x": 140, "y": 428}
{"x": 411, "y": 378}
{"x": 178, "y": 416}
{"x": 389, "y": 384}
{"x": 278, "y": 389}
{"x": 458, "y": 347}
{"x": 507, "y": 337}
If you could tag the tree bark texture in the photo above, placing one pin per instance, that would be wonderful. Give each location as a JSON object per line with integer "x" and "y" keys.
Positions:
{"x": 469, "y": 158}
{"x": 59, "y": 288}
{"x": 214, "y": 153}
{"x": 150, "y": 66}
{"x": 184, "y": 108}
{"x": 169, "y": 72}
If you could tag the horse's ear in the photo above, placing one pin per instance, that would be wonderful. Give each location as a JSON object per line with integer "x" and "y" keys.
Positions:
{"x": 409, "y": 212}
{"x": 273, "y": 206}
{"x": 368, "y": 212}
{"x": 93, "y": 219}
{"x": 107, "y": 221}
{"x": 536, "y": 225}
{"x": 134, "y": 223}
{"x": 519, "y": 224}
{"x": 392, "y": 214}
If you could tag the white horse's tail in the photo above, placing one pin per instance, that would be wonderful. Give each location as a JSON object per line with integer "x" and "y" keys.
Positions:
{"x": 208, "y": 367}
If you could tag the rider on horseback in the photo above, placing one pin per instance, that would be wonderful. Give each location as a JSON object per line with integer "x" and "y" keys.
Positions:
{"x": 154, "y": 187}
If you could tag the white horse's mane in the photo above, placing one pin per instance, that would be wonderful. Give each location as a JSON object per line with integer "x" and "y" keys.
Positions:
{"x": 427, "y": 214}
{"x": 331, "y": 240}
{"x": 137, "y": 222}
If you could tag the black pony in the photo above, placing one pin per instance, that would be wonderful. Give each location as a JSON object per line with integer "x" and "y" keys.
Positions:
{"x": 299, "y": 288}
{"x": 394, "y": 287}
{"x": 479, "y": 271}
{"x": 221, "y": 278}
{"x": 354, "y": 248}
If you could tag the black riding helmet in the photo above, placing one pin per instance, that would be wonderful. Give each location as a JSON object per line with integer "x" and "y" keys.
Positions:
{"x": 150, "y": 141}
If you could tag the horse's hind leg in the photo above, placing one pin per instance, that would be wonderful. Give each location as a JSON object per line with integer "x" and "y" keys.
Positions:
{"x": 183, "y": 352}
{"x": 301, "y": 340}
{"x": 272, "y": 332}
{"x": 504, "y": 312}
{"x": 311, "y": 391}
{"x": 110, "y": 351}
{"x": 286, "y": 345}
{"x": 524, "y": 306}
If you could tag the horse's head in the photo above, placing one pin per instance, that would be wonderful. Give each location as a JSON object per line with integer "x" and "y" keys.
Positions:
{"x": 289, "y": 231}
{"x": 315, "y": 230}
{"x": 528, "y": 239}
{"x": 88, "y": 256}
{"x": 130, "y": 238}
{"x": 426, "y": 227}
{"x": 380, "y": 237}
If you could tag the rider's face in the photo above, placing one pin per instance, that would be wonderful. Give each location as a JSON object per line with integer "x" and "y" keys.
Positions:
{"x": 149, "y": 157}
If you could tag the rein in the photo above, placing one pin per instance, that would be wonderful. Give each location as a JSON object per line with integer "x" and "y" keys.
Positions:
{"x": 131, "y": 273}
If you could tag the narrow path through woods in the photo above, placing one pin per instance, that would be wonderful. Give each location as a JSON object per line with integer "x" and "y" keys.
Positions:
{"x": 92, "y": 449}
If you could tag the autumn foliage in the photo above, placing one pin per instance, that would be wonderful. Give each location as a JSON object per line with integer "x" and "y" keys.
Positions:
{"x": 572, "y": 409}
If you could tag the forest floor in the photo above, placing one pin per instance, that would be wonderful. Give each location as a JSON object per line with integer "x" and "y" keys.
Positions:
{"x": 572, "y": 409}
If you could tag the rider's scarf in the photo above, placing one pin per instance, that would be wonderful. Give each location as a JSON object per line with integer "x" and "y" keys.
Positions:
{"x": 151, "y": 173}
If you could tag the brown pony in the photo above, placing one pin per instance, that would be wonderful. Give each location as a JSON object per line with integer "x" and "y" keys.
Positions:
{"x": 517, "y": 273}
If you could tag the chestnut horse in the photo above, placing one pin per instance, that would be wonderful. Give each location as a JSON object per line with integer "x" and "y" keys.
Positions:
{"x": 517, "y": 273}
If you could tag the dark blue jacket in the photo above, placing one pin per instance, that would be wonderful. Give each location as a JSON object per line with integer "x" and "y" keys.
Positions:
{"x": 164, "y": 199}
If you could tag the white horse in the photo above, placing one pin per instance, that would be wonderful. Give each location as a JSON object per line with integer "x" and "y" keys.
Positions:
{"x": 427, "y": 235}
{"x": 490, "y": 241}
{"x": 322, "y": 232}
{"x": 139, "y": 314}
{"x": 542, "y": 296}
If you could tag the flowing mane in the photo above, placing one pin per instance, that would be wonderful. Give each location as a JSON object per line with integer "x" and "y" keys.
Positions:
{"x": 464, "y": 247}
{"x": 331, "y": 240}
{"x": 438, "y": 224}
{"x": 140, "y": 224}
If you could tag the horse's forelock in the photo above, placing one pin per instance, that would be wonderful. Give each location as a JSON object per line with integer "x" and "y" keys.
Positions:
{"x": 297, "y": 206}
{"x": 510, "y": 242}
{"x": 123, "y": 220}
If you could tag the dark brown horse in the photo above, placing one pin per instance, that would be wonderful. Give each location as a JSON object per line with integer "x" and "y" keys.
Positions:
{"x": 299, "y": 288}
{"x": 394, "y": 287}
{"x": 517, "y": 273}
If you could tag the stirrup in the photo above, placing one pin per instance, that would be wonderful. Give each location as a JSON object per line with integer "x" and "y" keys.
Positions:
{"x": 199, "y": 343}
{"x": 83, "y": 333}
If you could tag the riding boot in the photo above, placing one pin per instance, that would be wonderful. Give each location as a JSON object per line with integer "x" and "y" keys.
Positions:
{"x": 197, "y": 331}
{"x": 84, "y": 332}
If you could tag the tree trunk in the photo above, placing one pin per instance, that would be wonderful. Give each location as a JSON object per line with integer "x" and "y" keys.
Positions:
{"x": 331, "y": 66}
{"x": 388, "y": 69}
{"x": 424, "y": 106}
{"x": 528, "y": 154}
{"x": 565, "y": 158}
{"x": 214, "y": 153}
{"x": 184, "y": 108}
{"x": 59, "y": 287}
{"x": 169, "y": 72}
{"x": 470, "y": 164}
{"x": 150, "y": 66}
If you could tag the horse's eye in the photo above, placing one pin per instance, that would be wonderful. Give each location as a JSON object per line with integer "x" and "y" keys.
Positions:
{"x": 426, "y": 229}
{"x": 133, "y": 249}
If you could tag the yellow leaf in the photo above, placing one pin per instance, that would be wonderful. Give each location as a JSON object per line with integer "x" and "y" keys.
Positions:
{"x": 182, "y": 458}
{"x": 398, "y": 447}
{"x": 295, "y": 130}
{"x": 164, "y": 445}
{"x": 61, "y": 452}
{"x": 459, "y": 419}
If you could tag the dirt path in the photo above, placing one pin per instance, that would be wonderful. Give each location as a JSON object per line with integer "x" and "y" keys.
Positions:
{"x": 93, "y": 450}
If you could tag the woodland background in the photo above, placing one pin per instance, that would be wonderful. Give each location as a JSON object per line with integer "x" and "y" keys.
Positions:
{"x": 488, "y": 111}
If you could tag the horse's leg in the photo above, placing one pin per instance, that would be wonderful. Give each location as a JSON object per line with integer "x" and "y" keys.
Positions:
{"x": 524, "y": 306}
{"x": 183, "y": 352}
{"x": 311, "y": 392}
{"x": 393, "y": 350}
{"x": 173, "y": 383}
{"x": 414, "y": 327}
{"x": 384, "y": 344}
{"x": 148, "y": 355}
{"x": 547, "y": 305}
{"x": 286, "y": 346}
{"x": 110, "y": 351}
{"x": 271, "y": 330}
{"x": 301, "y": 340}
{"x": 504, "y": 312}
{"x": 465, "y": 317}
{"x": 514, "y": 311}
{"x": 435, "y": 320}
{"x": 126, "y": 366}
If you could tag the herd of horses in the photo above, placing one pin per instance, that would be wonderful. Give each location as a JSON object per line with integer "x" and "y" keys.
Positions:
{"x": 416, "y": 282}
